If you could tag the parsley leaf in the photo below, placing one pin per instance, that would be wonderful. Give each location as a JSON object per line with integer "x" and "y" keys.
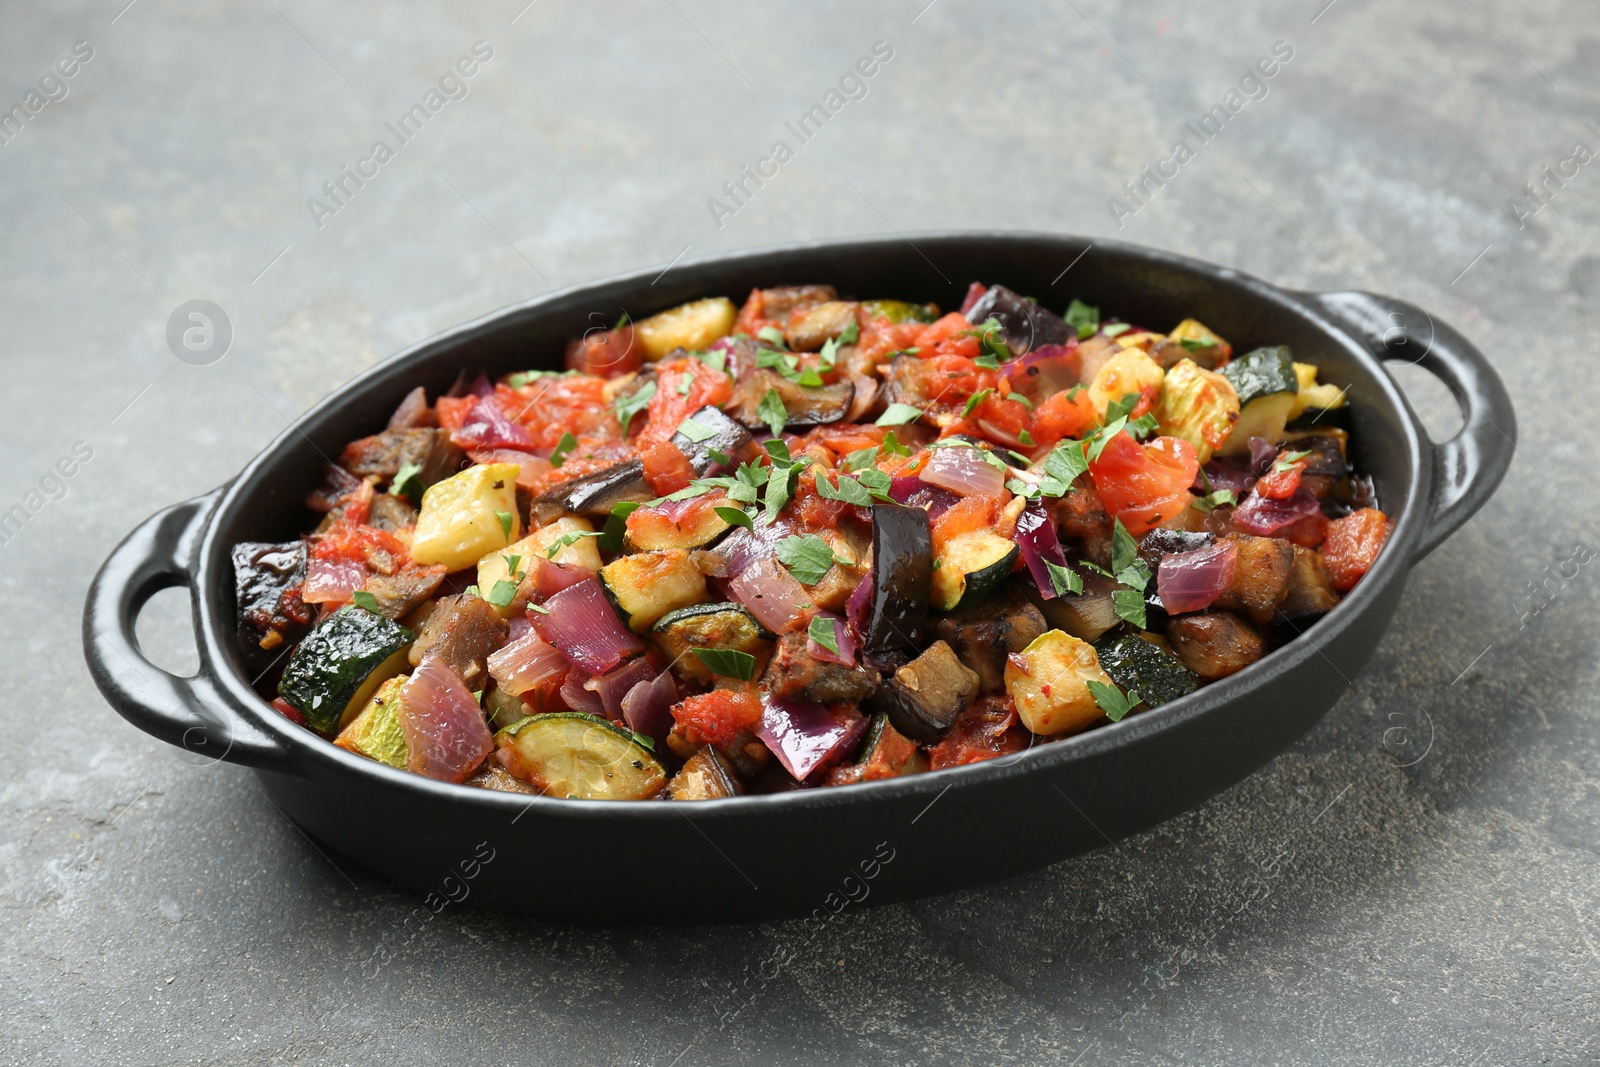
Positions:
{"x": 1084, "y": 317}
{"x": 1136, "y": 575}
{"x": 992, "y": 342}
{"x": 1130, "y": 606}
{"x": 850, "y": 334}
{"x": 1062, "y": 467}
{"x": 1124, "y": 549}
{"x": 772, "y": 412}
{"x": 696, "y": 431}
{"x": 567, "y": 539}
{"x": 735, "y": 517}
{"x": 685, "y": 383}
{"x": 825, "y": 632}
{"x": 773, "y": 336}
{"x": 563, "y": 448}
{"x": 898, "y": 415}
{"x": 849, "y": 490}
{"x": 628, "y": 406}
{"x": 502, "y": 594}
{"x": 1102, "y": 437}
{"x": 1287, "y": 461}
{"x": 406, "y": 481}
{"x": 1024, "y": 436}
{"x": 861, "y": 457}
{"x": 1196, "y": 344}
{"x": 974, "y": 400}
{"x": 1211, "y": 501}
{"x": 1018, "y": 398}
{"x": 1122, "y": 407}
{"x": 1064, "y": 579}
{"x": 1143, "y": 426}
{"x": 513, "y": 561}
{"x": 987, "y": 362}
{"x": 728, "y": 662}
{"x": 1115, "y": 329}
{"x": 506, "y": 521}
{"x": 1111, "y": 700}
{"x": 617, "y": 525}
{"x": 645, "y": 740}
{"x": 365, "y": 600}
{"x": 807, "y": 556}
{"x": 622, "y": 320}
{"x": 809, "y": 378}
{"x": 877, "y": 483}
{"x": 893, "y": 447}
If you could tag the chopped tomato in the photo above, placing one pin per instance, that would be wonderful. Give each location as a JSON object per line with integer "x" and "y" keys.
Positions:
{"x": 288, "y": 711}
{"x": 881, "y": 337}
{"x": 1062, "y": 416}
{"x": 1353, "y": 544}
{"x": 951, "y": 379}
{"x": 1144, "y": 485}
{"x": 452, "y": 410}
{"x": 378, "y": 549}
{"x": 951, "y": 335}
{"x": 1281, "y": 484}
{"x": 666, "y": 468}
{"x": 842, "y": 438}
{"x": 811, "y": 508}
{"x": 607, "y": 353}
{"x": 986, "y": 729}
{"x": 971, "y": 513}
{"x": 673, "y": 402}
{"x": 975, "y": 293}
{"x": 1307, "y": 532}
{"x": 550, "y": 407}
{"x": 1000, "y": 419}
{"x": 752, "y": 317}
{"x": 659, "y": 524}
{"x": 719, "y": 715}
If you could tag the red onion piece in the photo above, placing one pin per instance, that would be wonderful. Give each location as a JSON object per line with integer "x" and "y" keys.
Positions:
{"x": 1045, "y": 371}
{"x": 743, "y": 547}
{"x": 1223, "y": 475}
{"x": 532, "y": 468}
{"x": 526, "y": 664}
{"x": 1036, "y": 536}
{"x": 612, "y": 686}
{"x": 577, "y": 697}
{"x": 488, "y": 426}
{"x": 521, "y": 626}
{"x": 919, "y": 494}
{"x": 582, "y": 624}
{"x": 647, "y": 709}
{"x": 1262, "y": 455}
{"x": 964, "y": 472}
{"x": 332, "y": 581}
{"x": 859, "y": 606}
{"x": 1266, "y": 517}
{"x": 808, "y": 737}
{"x": 482, "y": 386}
{"x": 446, "y": 737}
{"x": 772, "y": 594}
{"x": 841, "y": 636}
{"x": 1190, "y": 581}
{"x": 413, "y": 412}
{"x": 553, "y": 577}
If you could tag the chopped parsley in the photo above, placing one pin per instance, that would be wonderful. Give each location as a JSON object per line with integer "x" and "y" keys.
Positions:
{"x": 1084, "y": 317}
{"x": 892, "y": 446}
{"x": 685, "y": 383}
{"x": 1115, "y": 329}
{"x": 503, "y": 593}
{"x": 728, "y": 662}
{"x": 568, "y": 539}
{"x": 898, "y": 415}
{"x": 630, "y": 405}
{"x": 974, "y": 400}
{"x": 507, "y": 520}
{"x": 825, "y": 632}
{"x": 735, "y": 517}
{"x": 772, "y": 412}
{"x": 564, "y": 448}
{"x": 617, "y": 525}
{"x": 1018, "y": 398}
{"x": 773, "y": 336}
{"x": 1211, "y": 501}
{"x": 1112, "y": 702}
{"x": 366, "y": 601}
{"x": 992, "y": 343}
{"x": 860, "y": 458}
{"x": 1062, "y": 467}
{"x": 1064, "y": 579}
{"x": 1124, "y": 549}
{"x": 407, "y": 481}
{"x": 849, "y": 490}
{"x": 1287, "y": 461}
{"x": 696, "y": 431}
{"x": 644, "y": 740}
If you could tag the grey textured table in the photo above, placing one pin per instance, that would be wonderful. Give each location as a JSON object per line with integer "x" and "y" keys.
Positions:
{"x": 1416, "y": 882}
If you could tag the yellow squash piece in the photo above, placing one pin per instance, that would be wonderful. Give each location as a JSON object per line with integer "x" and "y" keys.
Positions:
{"x": 1049, "y": 680}
{"x": 375, "y": 732}
{"x": 693, "y": 325}
{"x": 1129, "y": 371}
{"x": 1197, "y": 405}
{"x": 467, "y": 516}
{"x": 534, "y": 550}
{"x": 1312, "y": 395}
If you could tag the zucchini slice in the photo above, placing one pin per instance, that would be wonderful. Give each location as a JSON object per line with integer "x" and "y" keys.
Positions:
{"x": 647, "y": 585}
{"x": 900, "y": 310}
{"x": 1050, "y": 679}
{"x": 708, "y": 626}
{"x": 972, "y": 565}
{"x": 581, "y": 757}
{"x": 654, "y": 529}
{"x": 1145, "y": 667}
{"x": 340, "y": 664}
{"x": 376, "y": 732}
{"x": 1267, "y": 385}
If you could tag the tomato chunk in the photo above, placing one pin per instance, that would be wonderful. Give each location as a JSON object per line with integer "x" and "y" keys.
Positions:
{"x": 1353, "y": 544}
{"x": 683, "y": 387}
{"x": 666, "y": 468}
{"x": 1145, "y": 485}
{"x": 719, "y": 715}
{"x": 989, "y": 727}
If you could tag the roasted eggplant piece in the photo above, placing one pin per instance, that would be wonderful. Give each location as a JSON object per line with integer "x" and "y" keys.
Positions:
{"x": 1087, "y": 615}
{"x": 1146, "y": 668}
{"x": 728, "y": 438}
{"x": 1309, "y": 592}
{"x": 1325, "y": 465}
{"x": 779, "y": 303}
{"x": 267, "y": 579}
{"x": 391, "y": 513}
{"x": 594, "y": 495}
{"x": 382, "y": 455}
{"x": 401, "y": 593}
{"x": 902, "y": 578}
{"x": 705, "y": 776}
{"x": 923, "y": 698}
{"x": 806, "y": 406}
{"x": 810, "y": 329}
{"x": 795, "y": 674}
{"x": 460, "y": 633}
{"x": 982, "y": 636}
{"x": 1163, "y": 542}
{"x": 1025, "y": 325}
{"x": 1214, "y": 644}
{"x": 1260, "y": 576}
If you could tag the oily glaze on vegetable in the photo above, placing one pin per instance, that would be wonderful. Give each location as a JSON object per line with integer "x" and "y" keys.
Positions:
{"x": 808, "y": 541}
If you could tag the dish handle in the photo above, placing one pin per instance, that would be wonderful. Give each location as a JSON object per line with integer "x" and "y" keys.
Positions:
{"x": 196, "y": 713}
{"x": 1467, "y": 468}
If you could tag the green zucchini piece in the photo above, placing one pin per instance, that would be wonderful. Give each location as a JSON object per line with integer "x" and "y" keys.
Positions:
{"x": 900, "y": 310}
{"x": 376, "y": 732}
{"x": 340, "y": 664}
{"x": 1262, "y": 372}
{"x": 708, "y": 626}
{"x": 1145, "y": 667}
{"x": 645, "y": 586}
{"x": 581, "y": 757}
{"x": 970, "y": 568}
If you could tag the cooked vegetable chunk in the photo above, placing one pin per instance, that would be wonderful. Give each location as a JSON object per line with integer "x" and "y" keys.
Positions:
{"x": 705, "y": 776}
{"x": 923, "y": 698}
{"x": 1197, "y": 405}
{"x": 468, "y": 515}
{"x": 582, "y": 757}
{"x": 971, "y": 566}
{"x": 340, "y": 664}
{"x": 594, "y": 495}
{"x": 810, "y": 329}
{"x": 1267, "y": 386}
{"x": 902, "y": 578}
{"x": 716, "y": 626}
{"x": 647, "y": 585}
{"x": 691, "y": 326}
{"x": 375, "y": 733}
{"x": 982, "y": 636}
{"x": 1129, "y": 371}
{"x": 1049, "y": 680}
{"x": 794, "y": 673}
{"x": 1214, "y": 644}
{"x": 1260, "y": 576}
{"x": 267, "y": 579}
{"x": 460, "y": 633}
{"x": 1146, "y": 668}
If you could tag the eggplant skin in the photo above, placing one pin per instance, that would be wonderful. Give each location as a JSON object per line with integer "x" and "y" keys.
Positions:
{"x": 729, "y": 438}
{"x": 902, "y": 577}
{"x": 267, "y": 579}
{"x": 594, "y": 495}
{"x": 1026, "y": 325}
{"x": 806, "y": 406}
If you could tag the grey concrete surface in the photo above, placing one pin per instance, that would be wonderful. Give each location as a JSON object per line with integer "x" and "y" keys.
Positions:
{"x": 1417, "y": 882}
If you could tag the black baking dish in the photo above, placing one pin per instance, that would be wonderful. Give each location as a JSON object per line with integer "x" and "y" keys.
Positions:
{"x": 794, "y": 853}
